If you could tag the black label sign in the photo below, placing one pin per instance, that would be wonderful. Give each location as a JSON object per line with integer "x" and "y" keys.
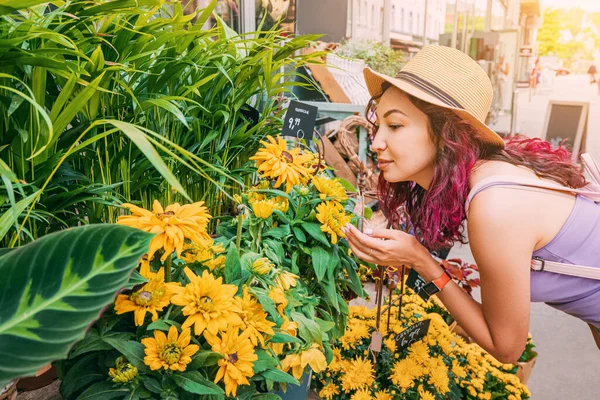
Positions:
{"x": 417, "y": 283}
{"x": 251, "y": 114}
{"x": 300, "y": 120}
{"x": 412, "y": 334}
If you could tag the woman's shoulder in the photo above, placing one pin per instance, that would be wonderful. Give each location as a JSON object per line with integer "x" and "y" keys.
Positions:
{"x": 485, "y": 169}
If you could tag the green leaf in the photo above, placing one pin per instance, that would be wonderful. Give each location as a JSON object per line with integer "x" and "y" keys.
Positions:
{"x": 278, "y": 375}
{"x": 204, "y": 358}
{"x": 93, "y": 341}
{"x": 264, "y": 362}
{"x": 265, "y": 396}
{"x": 10, "y": 6}
{"x": 104, "y": 391}
{"x": 152, "y": 385}
{"x": 281, "y": 337}
{"x": 233, "y": 267}
{"x": 158, "y": 325}
{"x": 135, "y": 279}
{"x": 132, "y": 350}
{"x": 320, "y": 261}
{"x": 81, "y": 375}
{"x": 140, "y": 140}
{"x": 56, "y": 286}
{"x": 11, "y": 216}
{"x": 194, "y": 382}
{"x": 167, "y": 105}
{"x": 314, "y": 230}
{"x": 299, "y": 234}
{"x": 309, "y": 330}
{"x": 278, "y": 233}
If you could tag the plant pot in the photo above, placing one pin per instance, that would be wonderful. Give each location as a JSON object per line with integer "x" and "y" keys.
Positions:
{"x": 294, "y": 392}
{"x": 9, "y": 392}
{"x": 43, "y": 377}
{"x": 524, "y": 370}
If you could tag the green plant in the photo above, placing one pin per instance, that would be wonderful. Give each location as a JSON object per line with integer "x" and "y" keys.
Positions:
{"x": 103, "y": 102}
{"x": 381, "y": 58}
{"x": 55, "y": 287}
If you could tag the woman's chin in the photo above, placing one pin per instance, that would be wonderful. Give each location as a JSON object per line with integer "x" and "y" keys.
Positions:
{"x": 393, "y": 176}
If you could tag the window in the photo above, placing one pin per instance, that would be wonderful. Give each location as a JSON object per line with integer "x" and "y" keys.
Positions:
{"x": 402, "y": 20}
{"x": 373, "y": 16}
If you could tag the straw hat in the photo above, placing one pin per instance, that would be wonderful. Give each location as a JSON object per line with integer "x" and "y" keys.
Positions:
{"x": 447, "y": 78}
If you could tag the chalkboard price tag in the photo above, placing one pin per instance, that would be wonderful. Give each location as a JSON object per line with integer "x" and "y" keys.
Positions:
{"x": 412, "y": 334}
{"x": 417, "y": 283}
{"x": 251, "y": 114}
{"x": 300, "y": 120}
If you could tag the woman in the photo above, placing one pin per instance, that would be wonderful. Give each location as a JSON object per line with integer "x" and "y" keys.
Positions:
{"x": 433, "y": 149}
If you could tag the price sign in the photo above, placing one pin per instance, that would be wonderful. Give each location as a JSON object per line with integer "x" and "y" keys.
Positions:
{"x": 300, "y": 120}
{"x": 417, "y": 283}
{"x": 251, "y": 114}
{"x": 412, "y": 334}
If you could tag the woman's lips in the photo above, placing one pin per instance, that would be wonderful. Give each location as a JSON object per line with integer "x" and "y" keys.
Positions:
{"x": 383, "y": 164}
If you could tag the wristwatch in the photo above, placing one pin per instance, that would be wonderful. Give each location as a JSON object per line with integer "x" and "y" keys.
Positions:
{"x": 437, "y": 285}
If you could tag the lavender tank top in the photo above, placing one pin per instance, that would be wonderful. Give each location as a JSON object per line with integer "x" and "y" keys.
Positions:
{"x": 577, "y": 242}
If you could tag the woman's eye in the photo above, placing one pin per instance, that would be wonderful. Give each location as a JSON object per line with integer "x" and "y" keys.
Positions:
{"x": 395, "y": 126}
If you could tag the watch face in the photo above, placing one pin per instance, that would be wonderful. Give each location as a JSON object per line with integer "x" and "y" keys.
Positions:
{"x": 431, "y": 289}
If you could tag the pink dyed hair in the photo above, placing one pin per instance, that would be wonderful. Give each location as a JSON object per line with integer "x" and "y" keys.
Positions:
{"x": 437, "y": 215}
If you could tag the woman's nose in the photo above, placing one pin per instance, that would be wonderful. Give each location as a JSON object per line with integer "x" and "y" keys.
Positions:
{"x": 378, "y": 144}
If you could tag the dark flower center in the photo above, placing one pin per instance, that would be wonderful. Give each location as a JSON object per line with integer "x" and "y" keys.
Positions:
{"x": 287, "y": 157}
{"x": 232, "y": 358}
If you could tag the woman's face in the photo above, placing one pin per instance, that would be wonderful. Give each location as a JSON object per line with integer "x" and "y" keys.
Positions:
{"x": 403, "y": 144}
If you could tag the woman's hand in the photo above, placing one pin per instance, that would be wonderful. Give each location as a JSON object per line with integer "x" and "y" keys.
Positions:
{"x": 392, "y": 248}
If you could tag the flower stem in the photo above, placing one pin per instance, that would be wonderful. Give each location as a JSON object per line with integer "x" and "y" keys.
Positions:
{"x": 238, "y": 239}
{"x": 168, "y": 269}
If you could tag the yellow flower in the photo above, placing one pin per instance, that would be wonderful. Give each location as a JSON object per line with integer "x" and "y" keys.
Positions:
{"x": 254, "y": 318}
{"x": 262, "y": 266}
{"x": 382, "y": 395}
{"x": 124, "y": 371}
{"x": 263, "y": 208}
{"x": 208, "y": 303}
{"x": 278, "y": 296}
{"x": 420, "y": 352}
{"x": 276, "y": 162}
{"x": 173, "y": 225}
{"x": 438, "y": 377}
{"x": 329, "y": 188}
{"x": 425, "y": 395}
{"x": 172, "y": 352}
{"x": 285, "y": 280}
{"x": 358, "y": 373}
{"x": 204, "y": 255}
{"x": 363, "y": 394}
{"x": 333, "y": 218}
{"x": 152, "y": 297}
{"x": 328, "y": 391}
{"x": 390, "y": 343}
{"x": 405, "y": 372}
{"x": 298, "y": 362}
{"x": 458, "y": 370}
{"x": 238, "y": 362}
{"x": 281, "y": 203}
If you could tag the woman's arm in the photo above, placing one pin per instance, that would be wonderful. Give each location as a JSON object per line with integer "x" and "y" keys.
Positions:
{"x": 503, "y": 233}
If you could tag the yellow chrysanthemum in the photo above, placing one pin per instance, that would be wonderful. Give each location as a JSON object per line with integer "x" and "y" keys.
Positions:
{"x": 205, "y": 255}
{"x": 254, "y": 318}
{"x": 173, "y": 352}
{"x": 425, "y": 395}
{"x": 208, "y": 303}
{"x": 298, "y": 362}
{"x": 420, "y": 352}
{"x": 275, "y": 161}
{"x": 333, "y": 218}
{"x": 278, "y": 296}
{"x": 382, "y": 395}
{"x": 123, "y": 372}
{"x": 358, "y": 373}
{"x": 405, "y": 372}
{"x": 262, "y": 266}
{"x": 150, "y": 298}
{"x": 172, "y": 225}
{"x": 285, "y": 280}
{"x": 362, "y": 394}
{"x": 438, "y": 377}
{"x": 390, "y": 344}
{"x": 329, "y": 188}
{"x": 238, "y": 362}
{"x": 328, "y": 391}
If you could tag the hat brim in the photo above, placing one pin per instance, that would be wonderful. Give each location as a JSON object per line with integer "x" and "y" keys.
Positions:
{"x": 376, "y": 80}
